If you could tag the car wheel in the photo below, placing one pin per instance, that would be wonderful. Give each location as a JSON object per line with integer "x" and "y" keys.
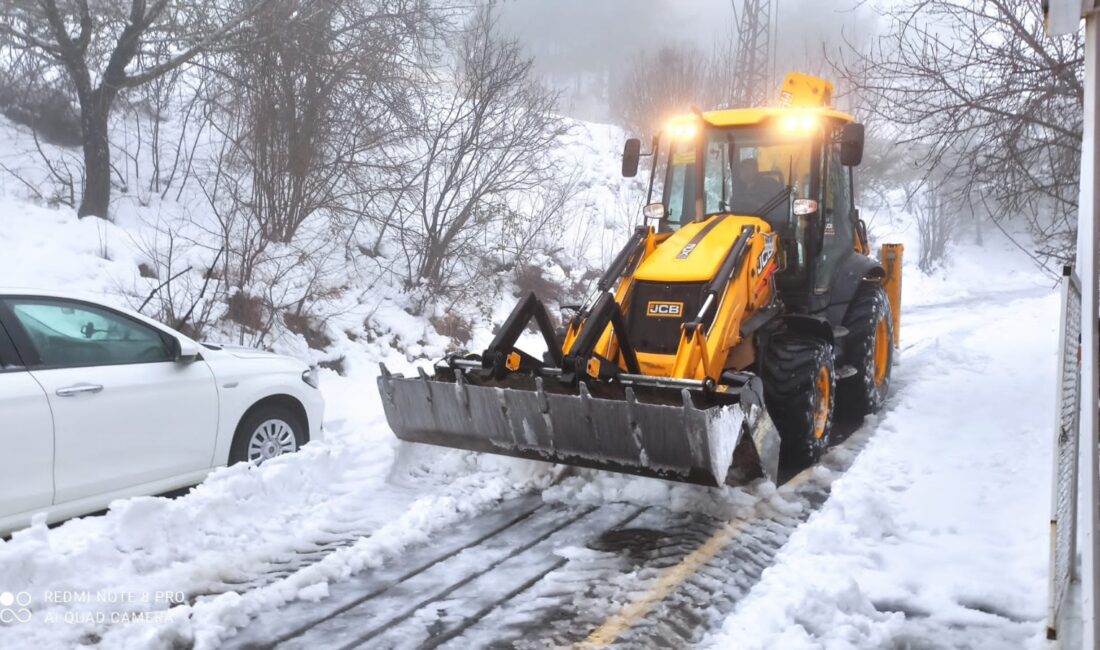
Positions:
{"x": 265, "y": 433}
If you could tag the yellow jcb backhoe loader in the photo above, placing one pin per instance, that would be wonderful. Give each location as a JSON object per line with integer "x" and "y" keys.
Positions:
{"x": 723, "y": 335}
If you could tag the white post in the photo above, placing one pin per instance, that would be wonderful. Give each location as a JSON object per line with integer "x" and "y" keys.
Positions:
{"x": 1088, "y": 239}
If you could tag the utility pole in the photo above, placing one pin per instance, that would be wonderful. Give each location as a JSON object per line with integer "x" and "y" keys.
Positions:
{"x": 753, "y": 71}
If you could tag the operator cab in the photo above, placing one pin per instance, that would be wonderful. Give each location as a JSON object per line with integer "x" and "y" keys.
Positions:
{"x": 790, "y": 166}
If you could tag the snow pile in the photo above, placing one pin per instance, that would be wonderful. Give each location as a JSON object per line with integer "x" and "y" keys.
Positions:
{"x": 722, "y": 437}
{"x": 596, "y": 488}
{"x": 50, "y": 248}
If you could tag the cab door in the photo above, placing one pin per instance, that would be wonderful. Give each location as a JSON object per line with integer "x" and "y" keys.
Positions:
{"x": 838, "y": 229}
{"x": 26, "y": 436}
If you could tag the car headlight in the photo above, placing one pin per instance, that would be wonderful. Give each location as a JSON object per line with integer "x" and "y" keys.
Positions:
{"x": 312, "y": 377}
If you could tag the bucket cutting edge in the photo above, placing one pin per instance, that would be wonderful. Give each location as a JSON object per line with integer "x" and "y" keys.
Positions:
{"x": 654, "y": 432}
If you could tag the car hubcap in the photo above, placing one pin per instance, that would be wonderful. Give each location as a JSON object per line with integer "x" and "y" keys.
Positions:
{"x": 272, "y": 438}
{"x": 821, "y": 415}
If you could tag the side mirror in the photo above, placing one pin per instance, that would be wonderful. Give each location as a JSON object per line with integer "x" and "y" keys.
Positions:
{"x": 851, "y": 144}
{"x": 184, "y": 350}
{"x": 632, "y": 152}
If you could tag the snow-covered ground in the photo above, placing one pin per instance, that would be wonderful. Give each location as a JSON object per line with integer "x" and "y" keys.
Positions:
{"x": 148, "y": 554}
{"x": 935, "y": 537}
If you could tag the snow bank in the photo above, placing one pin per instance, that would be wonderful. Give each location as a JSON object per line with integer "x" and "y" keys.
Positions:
{"x": 937, "y": 534}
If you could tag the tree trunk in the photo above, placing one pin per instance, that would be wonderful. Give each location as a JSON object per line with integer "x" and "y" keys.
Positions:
{"x": 95, "y": 110}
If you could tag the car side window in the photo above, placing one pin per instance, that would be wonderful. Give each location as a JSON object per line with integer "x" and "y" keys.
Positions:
{"x": 68, "y": 334}
{"x": 8, "y": 359}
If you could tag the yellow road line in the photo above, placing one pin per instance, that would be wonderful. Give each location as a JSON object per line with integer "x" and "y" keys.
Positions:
{"x": 673, "y": 577}
{"x": 798, "y": 479}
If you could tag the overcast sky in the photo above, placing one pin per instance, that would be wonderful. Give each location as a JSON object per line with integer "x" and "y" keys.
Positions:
{"x": 576, "y": 41}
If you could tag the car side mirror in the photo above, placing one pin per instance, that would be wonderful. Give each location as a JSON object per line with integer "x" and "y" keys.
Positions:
{"x": 632, "y": 152}
{"x": 851, "y": 144}
{"x": 184, "y": 350}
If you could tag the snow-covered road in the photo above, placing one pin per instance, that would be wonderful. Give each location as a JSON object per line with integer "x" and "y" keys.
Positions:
{"x": 540, "y": 572}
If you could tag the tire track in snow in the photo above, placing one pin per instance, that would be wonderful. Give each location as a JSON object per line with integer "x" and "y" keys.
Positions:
{"x": 664, "y": 589}
{"x": 381, "y": 604}
{"x": 552, "y": 575}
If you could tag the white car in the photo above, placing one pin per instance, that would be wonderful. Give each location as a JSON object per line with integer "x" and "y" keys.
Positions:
{"x": 98, "y": 403}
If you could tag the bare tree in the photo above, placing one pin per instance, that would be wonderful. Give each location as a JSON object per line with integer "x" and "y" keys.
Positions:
{"x": 189, "y": 299}
{"x": 486, "y": 145}
{"x": 110, "y": 46}
{"x": 313, "y": 109}
{"x": 32, "y": 96}
{"x": 937, "y": 222}
{"x": 995, "y": 104}
{"x": 311, "y": 120}
{"x": 666, "y": 83}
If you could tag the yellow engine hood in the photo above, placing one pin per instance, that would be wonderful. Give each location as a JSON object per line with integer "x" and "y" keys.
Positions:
{"x": 696, "y": 251}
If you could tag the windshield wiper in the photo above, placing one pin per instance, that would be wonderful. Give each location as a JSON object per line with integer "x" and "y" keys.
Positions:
{"x": 773, "y": 202}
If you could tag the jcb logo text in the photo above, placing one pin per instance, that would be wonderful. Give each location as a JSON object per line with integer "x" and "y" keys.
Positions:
{"x": 662, "y": 309}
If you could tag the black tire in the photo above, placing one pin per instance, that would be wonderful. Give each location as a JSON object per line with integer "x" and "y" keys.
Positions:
{"x": 869, "y": 321}
{"x": 251, "y": 422}
{"x": 794, "y": 392}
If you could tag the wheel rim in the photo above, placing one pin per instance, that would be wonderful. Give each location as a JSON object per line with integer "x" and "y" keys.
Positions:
{"x": 271, "y": 439}
{"x": 821, "y": 412}
{"x": 882, "y": 351}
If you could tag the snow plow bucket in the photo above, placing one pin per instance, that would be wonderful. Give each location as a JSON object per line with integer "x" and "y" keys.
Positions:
{"x": 664, "y": 431}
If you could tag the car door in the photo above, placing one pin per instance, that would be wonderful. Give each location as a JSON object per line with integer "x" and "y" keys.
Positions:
{"x": 26, "y": 436}
{"x": 125, "y": 413}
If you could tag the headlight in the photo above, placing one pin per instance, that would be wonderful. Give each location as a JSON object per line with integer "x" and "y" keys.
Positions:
{"x": 312, "y": 377}
{"x": 654, "y": 211}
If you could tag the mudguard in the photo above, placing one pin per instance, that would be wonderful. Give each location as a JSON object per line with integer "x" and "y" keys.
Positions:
{"x": 852, "y": 271}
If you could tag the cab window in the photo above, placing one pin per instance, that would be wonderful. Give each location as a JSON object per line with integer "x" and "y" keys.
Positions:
{"x": 746, "y": 170}
{"x": 839, "y": 231}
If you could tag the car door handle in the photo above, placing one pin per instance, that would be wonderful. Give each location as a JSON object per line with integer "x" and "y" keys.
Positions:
{"x": 77, "y": 389}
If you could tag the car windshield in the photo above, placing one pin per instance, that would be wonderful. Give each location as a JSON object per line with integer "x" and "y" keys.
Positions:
{"x": 746, "y": 171}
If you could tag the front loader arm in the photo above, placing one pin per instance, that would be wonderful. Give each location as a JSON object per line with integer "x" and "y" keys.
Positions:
{"x": 741, "y": 287}
{"x": 640, "y": 245}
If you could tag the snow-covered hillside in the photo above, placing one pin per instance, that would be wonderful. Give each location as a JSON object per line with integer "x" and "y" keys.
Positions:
{"x": 935, "y": 536}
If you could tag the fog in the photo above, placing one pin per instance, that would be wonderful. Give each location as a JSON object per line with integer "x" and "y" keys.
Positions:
{"x": 582, "y": 46}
